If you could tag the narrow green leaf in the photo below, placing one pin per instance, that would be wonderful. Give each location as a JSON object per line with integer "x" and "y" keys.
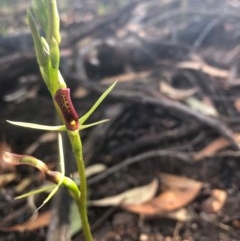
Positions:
{"x": 37, "y": 126}
{"x": 97, "y": 103}
{"x": 36, "y": 191}
{"x": 51, "y": 194}
{"x": 82, "y": 127}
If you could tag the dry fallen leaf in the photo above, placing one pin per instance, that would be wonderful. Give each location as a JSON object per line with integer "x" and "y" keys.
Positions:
{"x": 176, "y": 94}
{"x": 23, "y": 184}
{"x": 201, "y": 106}
{"x": 205, "y": 68}
{"x": 42, "y": 220}
{"x": 6, "y": 178}
{"x": 180, "y": 191}
{"x": 134, "y": 196}
{"x": 181, "y": 215}
{"x": 95, "y": 169}
{"x": 90, "y": 171}
{"x": 214, "y": 147}
{"x": 176, "y": 182}
{"x": 237, "y": 104}
{"x": 215, "y": 202}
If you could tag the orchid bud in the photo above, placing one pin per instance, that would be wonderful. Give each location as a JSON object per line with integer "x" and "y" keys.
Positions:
{"x": 54, "y": 53}
{"x": 54, "y": 22}
{"x": 64, "y": 102}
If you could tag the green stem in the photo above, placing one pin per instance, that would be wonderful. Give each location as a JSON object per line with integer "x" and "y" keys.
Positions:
{"x": 82, "y": 205}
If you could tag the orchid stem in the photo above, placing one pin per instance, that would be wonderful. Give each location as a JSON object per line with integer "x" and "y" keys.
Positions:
{"x": 82, "y": 205}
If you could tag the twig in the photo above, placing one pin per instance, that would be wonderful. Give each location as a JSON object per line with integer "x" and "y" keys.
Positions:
{"x": 173, "y": 107}
{"x": 145, "y": 156}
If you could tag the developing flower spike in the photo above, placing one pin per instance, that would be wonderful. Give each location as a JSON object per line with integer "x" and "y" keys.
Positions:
{"x": 45, "y": 14}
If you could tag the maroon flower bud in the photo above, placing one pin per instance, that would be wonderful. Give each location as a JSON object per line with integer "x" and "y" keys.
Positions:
{"x": 64, "y": 102}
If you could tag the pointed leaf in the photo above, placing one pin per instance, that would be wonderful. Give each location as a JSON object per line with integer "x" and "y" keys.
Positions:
{"x": 37, "y": 126}
{"x": 36, "y": 191}
{"x": 51, "y": 194}
{"x": 82, "y": 127}
{"x": 97, "y": 103}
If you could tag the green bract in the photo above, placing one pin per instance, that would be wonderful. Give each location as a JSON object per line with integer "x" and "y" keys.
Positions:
{"x": 40, "y": 9}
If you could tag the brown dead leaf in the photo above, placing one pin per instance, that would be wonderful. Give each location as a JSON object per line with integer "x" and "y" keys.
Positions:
{"x": 215, "y": 202}
{"x": 42, "y": 220}
{"x": 181, "y": 215}
{"x": 133, "y": 196}
{"x": 95, "y": 169}
{"x": 214, "y": 147}
{"x": 237, "y": 104}
{"x": 179, "y": 192}
{"x": 236, "y": 223}
{"x": 205, "y": 68}
{"x": 80, "y": 92}
{"x": 22, "y": 185}
{"x": 90, "y": 171}
{"x": 6, "y": 178}
{"x": 176, "y": 182}
{"x": 176, "y": 94}
{"x": 204, "y": 107}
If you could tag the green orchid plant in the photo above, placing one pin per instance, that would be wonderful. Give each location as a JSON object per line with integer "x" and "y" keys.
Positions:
{"x": 44, "y": 14}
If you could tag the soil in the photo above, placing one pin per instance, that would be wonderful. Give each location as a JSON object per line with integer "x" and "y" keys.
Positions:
{"x": 175, "y": 110}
